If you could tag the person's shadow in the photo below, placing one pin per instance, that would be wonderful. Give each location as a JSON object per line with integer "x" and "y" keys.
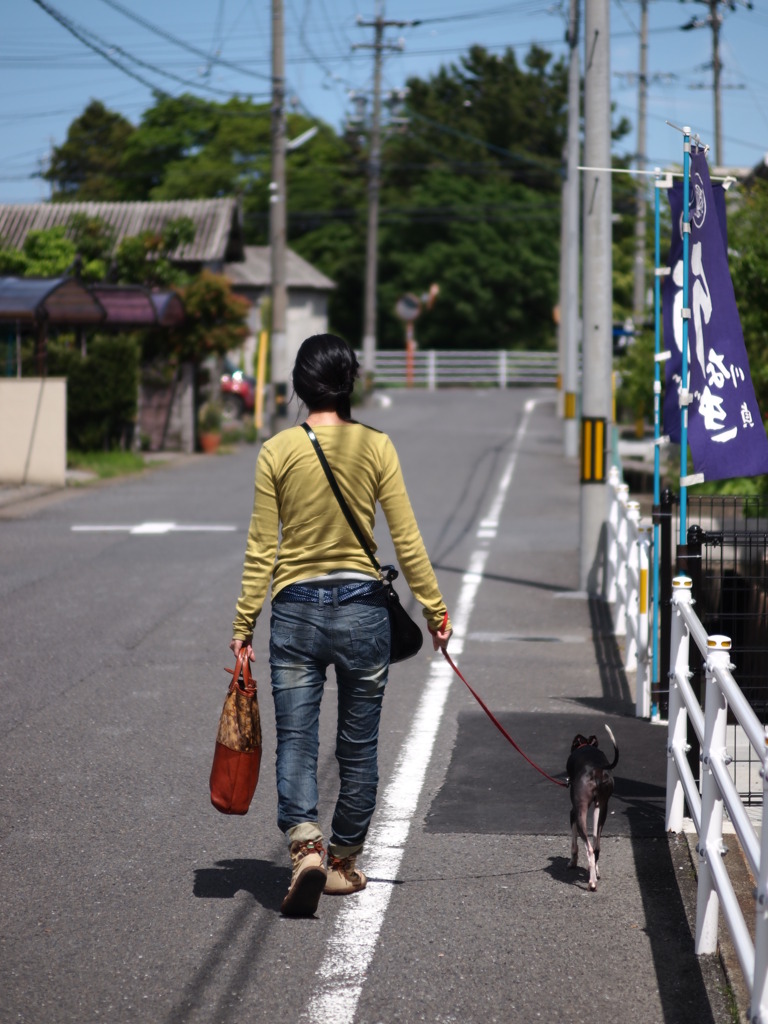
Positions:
{"x": 265, "y": 881}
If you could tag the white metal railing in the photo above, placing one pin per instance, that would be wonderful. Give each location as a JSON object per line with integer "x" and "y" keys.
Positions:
{"x": 434, "y": 368}
{"x": 627, "y": 585}
{"x": 718, "y": 793}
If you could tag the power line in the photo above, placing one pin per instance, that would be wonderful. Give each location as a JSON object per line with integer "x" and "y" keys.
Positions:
{"x": 83, "y": 36}
{"x": 208, "y": 57}
{"x": 65, "y": 23}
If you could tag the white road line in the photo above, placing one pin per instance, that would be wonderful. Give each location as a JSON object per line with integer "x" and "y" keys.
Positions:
{"x": 356, "y": 930}
{"x": 155, "y": 529}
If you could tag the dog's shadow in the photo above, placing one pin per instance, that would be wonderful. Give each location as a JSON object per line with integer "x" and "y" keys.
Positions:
{"x": 558, "y": 869}
{"x": 265, "y": 881}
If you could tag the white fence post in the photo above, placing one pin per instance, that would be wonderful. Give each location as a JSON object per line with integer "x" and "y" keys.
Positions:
{"x": 631, "y": 586}
{"x": 710, "y": 843}
{"x": 677, "y": 733}
{"x": 432, "y": 369}
{"x": 758, "y": 1010}
{"x": 612, "y": 563}
{"x": 622, "y": 551}
{"x": 502, "y": 368}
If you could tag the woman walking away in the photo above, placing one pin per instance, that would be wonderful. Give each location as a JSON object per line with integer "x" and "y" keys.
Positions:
{"x": 328, "y": 608}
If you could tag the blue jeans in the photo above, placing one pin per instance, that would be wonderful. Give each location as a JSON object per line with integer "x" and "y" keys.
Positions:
{"x": 304, "y": 640}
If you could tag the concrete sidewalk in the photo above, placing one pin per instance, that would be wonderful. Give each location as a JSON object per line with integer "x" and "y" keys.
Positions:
{"x": 544, "y": 658}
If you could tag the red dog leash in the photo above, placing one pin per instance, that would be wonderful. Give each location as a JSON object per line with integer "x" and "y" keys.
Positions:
{"x": 492, "y": 717}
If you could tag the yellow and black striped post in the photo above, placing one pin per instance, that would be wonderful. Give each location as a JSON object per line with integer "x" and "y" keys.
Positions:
{"x": 593, "y": 431}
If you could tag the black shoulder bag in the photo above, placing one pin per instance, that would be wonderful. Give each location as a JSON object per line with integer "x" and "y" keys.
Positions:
{"x": 406, "y": 636}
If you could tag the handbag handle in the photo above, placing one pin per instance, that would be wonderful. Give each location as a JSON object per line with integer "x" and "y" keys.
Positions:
{"x": 340, "y": 498}
{"x": 242, "y": 667}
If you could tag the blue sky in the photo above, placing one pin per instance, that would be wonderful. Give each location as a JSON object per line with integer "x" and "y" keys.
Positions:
{"x": 47, "y": 76}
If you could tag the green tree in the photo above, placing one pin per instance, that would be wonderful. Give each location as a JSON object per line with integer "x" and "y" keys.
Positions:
{"x": 215, "y": 321}
{"x": 484, "y": 116}
{"x": 189, "y": 148}
{"x": 493, "y": 250}
{"x": 94, "y": 241}
{"x": 748, "y": 251}
{"x": 470, "y": 193}
{"x": 48, "y": 253}
{"x": 146, "y": 258}
{"x": 471, "y": 201}
{"x": 88, "y": 165}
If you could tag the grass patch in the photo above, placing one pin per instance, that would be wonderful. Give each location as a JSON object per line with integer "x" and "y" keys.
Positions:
{"x": 106, "y": 464}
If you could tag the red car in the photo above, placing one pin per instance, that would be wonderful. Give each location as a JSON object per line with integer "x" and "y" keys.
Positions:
{"x": 238, "y": 392}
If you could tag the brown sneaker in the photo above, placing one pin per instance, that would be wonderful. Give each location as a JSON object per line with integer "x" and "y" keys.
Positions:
{"x": 343, "y": 877}
{"x": 307, "y": 880}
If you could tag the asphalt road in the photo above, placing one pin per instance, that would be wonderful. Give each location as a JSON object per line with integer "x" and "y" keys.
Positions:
{"x": 127, "y": 898}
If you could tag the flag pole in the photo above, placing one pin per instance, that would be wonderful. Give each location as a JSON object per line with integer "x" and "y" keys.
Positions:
{"x": 685, "y": 395}
{"x": 657, "y": 361}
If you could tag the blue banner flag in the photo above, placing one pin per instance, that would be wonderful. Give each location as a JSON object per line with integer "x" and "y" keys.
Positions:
{"x": 672, "y": 303}
{"x": 725, "y": 428}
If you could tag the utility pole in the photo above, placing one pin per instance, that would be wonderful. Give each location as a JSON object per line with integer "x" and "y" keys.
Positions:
{"x": 638, "y": 303}
{"x": 277, "y": 220}
{"x": 597, "y": 295}
{"x": 714, "y": 20}
{"x": 569, "y": 246}
{"x": 379, "y": 24}
{"x": 643, "y": 80}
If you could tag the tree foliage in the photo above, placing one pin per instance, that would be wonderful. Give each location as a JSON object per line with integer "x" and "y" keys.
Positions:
{"x": 470, "y": 191}
{"x": 215, "y": 319}
{"x": 748, "y": 251}
{"x": 88, "y": 165}
{"x": 102, "y": 388}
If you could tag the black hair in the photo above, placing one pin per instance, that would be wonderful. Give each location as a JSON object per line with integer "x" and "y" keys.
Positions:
{"x": 324, "y": 374}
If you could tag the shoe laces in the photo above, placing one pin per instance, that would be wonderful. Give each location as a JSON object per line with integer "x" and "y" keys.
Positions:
{"x": 344, "y": 865}
{"x": 301, "y": 849}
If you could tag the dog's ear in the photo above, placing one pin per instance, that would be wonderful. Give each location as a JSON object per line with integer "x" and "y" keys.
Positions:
{"x": 593, "y": 741}
{"x": 578, "y": 741}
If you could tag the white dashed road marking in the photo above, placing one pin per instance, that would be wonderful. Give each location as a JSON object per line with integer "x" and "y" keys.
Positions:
{"x": 156, "y": 529}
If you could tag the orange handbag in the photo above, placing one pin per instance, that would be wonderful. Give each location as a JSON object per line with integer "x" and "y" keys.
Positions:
{"x": 237, "y": 757}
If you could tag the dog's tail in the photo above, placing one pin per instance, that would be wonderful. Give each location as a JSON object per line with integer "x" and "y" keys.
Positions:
{"x": 615, "y": 747}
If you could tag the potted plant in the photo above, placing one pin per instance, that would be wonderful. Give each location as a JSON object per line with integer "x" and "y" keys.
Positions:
{"x": 209, "y": 424}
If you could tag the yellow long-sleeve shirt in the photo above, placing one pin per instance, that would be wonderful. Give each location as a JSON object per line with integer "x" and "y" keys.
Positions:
{"x": 298, "y": 531}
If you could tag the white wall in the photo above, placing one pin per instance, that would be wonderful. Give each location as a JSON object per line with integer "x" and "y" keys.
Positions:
{"x": 33, "y": 431}
{"x": 307, "y": 314}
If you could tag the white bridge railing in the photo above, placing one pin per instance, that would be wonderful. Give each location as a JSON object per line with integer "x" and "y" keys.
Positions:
{"x": 717, "y": 793}
{"x": 627, "y": 586}
{"x": 434, "y": 368}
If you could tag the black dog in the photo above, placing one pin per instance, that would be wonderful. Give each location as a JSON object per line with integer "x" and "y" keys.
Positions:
{"x": 591, "y": 785}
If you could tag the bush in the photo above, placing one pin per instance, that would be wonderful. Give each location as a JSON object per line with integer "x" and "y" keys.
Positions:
{"x": 102, "y": 391}
{"x": 210, "y": 418}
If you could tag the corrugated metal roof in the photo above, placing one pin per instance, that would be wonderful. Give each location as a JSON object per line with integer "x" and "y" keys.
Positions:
{"x": 125, "y": 305}
{"x": 217, "y": 221}
{"x": 255, "y": 271}
{"x": 65, "y": 300}
{"x": 62, "y": 300}
{"x": 169, "y": 308}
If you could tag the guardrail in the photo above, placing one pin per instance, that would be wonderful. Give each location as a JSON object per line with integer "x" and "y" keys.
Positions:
{"x": 435, "y": 368}
{"x": 627, "y": 585}
{"x": 718, "y": 792}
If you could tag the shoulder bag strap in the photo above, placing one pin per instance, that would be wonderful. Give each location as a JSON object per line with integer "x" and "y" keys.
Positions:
{"x": 340, "y": 497}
